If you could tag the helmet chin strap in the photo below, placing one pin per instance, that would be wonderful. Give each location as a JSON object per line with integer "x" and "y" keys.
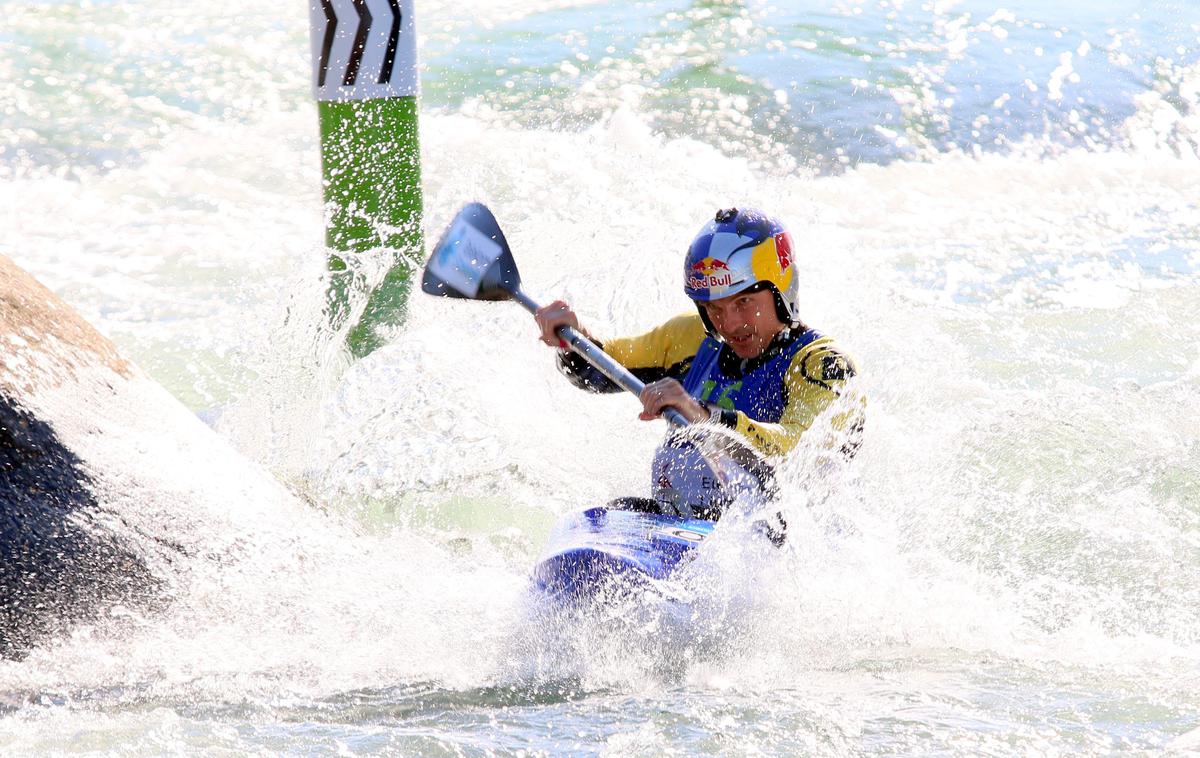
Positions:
{"x": 708, "y": 327}
{"x": 781, "y": 310}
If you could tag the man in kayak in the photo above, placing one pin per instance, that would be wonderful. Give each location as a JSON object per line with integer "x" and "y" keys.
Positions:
{"x": 745, "y": 361}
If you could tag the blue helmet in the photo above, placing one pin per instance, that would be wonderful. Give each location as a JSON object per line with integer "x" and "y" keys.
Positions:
{"x": 742, "y": 250}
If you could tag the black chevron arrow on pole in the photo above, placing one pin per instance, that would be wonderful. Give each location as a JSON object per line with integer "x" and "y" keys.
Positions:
{"x": 389, "y": 60}
{"x": 327, "y": 41}
{"x": 360, "y": 42}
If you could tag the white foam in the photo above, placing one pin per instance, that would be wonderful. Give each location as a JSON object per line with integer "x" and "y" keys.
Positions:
{"x": 994, "y": 303}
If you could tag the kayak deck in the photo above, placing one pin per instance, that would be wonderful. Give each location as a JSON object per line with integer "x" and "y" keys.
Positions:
{"x": 602, "y": 547}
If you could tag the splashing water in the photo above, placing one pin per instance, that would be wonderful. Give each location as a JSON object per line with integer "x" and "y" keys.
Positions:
{"x": 997, "y": 214}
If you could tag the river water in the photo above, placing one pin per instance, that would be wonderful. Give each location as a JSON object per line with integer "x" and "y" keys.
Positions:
{"x": 996, "y": 209}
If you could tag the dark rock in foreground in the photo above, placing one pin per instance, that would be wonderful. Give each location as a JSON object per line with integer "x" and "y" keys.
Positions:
{"x": 111, "y": 492}
{"x": 57, "y": 563}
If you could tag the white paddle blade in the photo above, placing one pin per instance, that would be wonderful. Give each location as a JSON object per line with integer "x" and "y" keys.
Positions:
{"x": 472, "y": 259}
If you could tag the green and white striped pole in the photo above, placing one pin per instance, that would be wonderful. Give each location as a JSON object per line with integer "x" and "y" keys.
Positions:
{"x": 365, "y": 82}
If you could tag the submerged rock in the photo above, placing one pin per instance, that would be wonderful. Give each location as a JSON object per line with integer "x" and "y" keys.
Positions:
{"x": 59, "y": 562}
{"x": 111, "y": 492}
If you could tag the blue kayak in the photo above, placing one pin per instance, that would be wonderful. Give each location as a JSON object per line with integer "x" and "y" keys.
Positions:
{"x": 605, "y": 547}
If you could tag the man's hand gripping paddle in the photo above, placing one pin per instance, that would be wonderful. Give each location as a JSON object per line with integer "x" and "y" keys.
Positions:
{"x": 472, "y": 260}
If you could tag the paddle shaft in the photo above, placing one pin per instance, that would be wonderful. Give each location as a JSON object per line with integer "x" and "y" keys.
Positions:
{"x": 604, "y": 362}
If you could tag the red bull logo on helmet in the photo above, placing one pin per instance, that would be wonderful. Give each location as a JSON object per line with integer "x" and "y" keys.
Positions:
{"x": 783, "y": 249}
{"x": 709, "y": 272}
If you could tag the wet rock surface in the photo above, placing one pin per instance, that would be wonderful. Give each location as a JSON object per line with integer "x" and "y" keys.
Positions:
{"x": 58, "y": 564}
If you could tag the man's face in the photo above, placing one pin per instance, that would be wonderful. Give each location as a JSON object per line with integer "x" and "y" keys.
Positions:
{"x": 746, "y": 321}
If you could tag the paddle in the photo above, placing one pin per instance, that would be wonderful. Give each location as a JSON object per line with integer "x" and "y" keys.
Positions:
{"x": 472, "y": 260}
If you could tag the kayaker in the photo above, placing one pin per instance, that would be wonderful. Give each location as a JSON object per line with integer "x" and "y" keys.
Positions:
{"x": 745, "y": 360}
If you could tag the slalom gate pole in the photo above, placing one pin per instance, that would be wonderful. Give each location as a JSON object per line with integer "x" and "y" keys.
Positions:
{"x": 365, "y": 82}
